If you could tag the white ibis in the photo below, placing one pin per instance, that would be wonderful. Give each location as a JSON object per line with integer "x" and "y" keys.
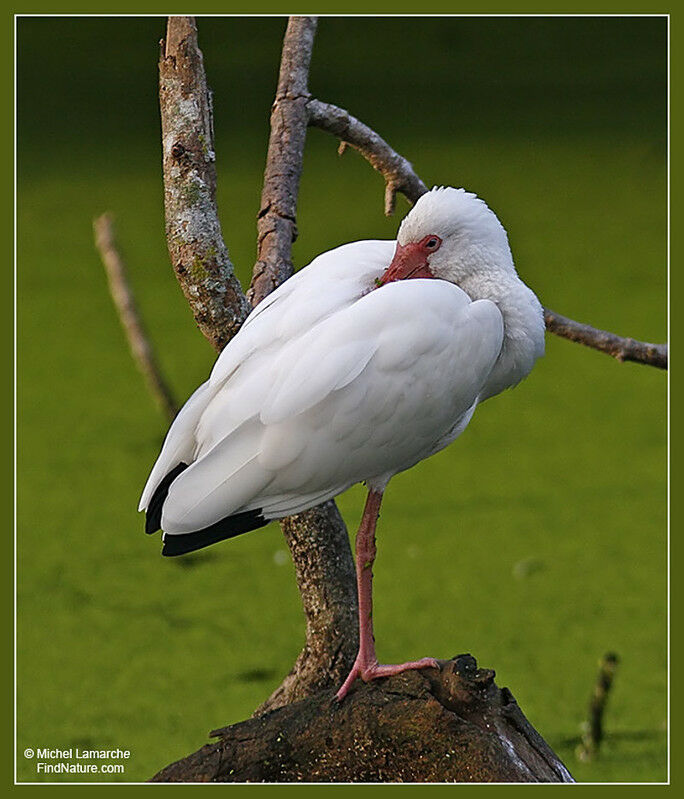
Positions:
{"x": 370, "y": 359}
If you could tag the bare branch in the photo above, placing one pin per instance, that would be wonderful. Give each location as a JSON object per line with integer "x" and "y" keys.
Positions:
{"x": 193, "y": 231}
{"x": 318, "y": 538}
{"x": 124, "y": 302}
{"x": 593, "y": 733}
{"x": 400, "y": 176}
{"x": 622, "y": 349}
{"x": 276, "y": 226}
{"x": 398, "y": 172}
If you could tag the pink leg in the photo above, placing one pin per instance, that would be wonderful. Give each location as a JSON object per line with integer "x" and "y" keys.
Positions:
{"x": 366, "y": 664}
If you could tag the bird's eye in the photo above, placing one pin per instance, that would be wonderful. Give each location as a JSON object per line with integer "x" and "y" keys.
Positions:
{"x": 432, "y": 243}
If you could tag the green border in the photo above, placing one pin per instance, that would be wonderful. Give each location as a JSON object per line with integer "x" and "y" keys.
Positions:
{"x": 349, "y": 7}
{"x": 352, "y": 7}
{"x": 7, "y": 333}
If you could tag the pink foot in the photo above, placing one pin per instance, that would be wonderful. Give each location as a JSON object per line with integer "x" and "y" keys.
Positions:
{"x": 372, "y": 671}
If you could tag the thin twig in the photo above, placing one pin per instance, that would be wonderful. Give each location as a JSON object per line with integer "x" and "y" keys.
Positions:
{"x": 593, "y": 732}
{"x": 124, "y": 302}
{"x": 400, "y": 176}
{"x": 398, "y": 172}
{"x": 622, "y": 349}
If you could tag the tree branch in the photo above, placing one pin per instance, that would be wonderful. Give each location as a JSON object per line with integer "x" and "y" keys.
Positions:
{"x": 400, "y": 176}
{"x": 398, "y": 173}
{"x": 324, "y": 568}
{"x": 622, "y": 349}
{"x": 276, "y": 225}
{"x": 193, "y": 231}
{"x": 593, "y": 732}
{"x": 124, "y": 302}
{"x": 317, "y": 538}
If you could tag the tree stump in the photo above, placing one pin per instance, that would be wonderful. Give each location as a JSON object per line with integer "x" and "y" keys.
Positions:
{"x": 452, "y": 724}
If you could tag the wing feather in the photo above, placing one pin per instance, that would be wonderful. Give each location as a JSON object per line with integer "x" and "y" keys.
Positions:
{"x": 179, "y": 444}
{"x": 217, "y": 485}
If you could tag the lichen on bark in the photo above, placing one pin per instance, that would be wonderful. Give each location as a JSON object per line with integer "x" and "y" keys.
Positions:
{"x": 193, "y": 231}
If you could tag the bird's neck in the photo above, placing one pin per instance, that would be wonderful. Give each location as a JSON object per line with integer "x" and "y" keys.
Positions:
{"x": 523, "y": 319}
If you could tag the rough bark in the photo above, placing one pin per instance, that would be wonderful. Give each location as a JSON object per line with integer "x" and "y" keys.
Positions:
{"x": 451, "y": 724}
{"x": 193, "y": 231}
{"x": 324, "y": 567}
{"x": 277, "y": 223}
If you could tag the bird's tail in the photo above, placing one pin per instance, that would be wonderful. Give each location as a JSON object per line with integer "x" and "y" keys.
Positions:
{"x": 181, "y": 543}
{"x": 228, "y": 527}
{"x": 153, "y": 514}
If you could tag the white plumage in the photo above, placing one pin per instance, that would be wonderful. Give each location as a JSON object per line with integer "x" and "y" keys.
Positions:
{"x": 316, "y": 400}
{"x": 368, "y": 360}
{"x": 332, "y": 381}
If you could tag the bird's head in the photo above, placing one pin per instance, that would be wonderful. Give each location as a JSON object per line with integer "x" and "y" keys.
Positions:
{"x": 452, "y": 235}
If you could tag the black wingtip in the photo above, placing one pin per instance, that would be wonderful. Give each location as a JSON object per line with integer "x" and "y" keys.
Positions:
{"x": 154, "y": 509}
{"x": 229, "y": 527}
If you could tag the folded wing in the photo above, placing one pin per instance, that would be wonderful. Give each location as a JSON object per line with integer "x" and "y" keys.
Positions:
{"x": 364, "y": 393}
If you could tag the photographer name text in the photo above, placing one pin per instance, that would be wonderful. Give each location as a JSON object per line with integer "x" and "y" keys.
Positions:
{"x": 83, "y": 754}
